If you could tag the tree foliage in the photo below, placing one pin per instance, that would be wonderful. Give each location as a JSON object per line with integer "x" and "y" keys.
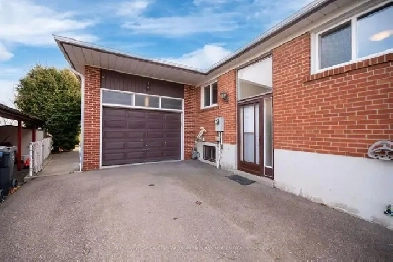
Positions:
{"x": 53, "y": 95}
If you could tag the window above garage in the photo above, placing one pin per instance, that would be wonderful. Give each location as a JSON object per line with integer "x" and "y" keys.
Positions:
{"x": 136, "y": 100}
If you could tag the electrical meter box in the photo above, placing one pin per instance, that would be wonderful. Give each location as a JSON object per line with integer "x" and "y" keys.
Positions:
{"x": 219, "y": 124}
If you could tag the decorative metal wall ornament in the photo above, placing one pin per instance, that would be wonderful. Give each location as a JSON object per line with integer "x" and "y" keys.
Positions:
{"x": 381, "y": 150}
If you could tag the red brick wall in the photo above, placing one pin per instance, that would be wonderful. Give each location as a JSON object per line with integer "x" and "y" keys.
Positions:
{"x": 195, "y": 117}
{"x": 189, "y": 120}
{"x": 91, "y": 147}
{"x": 342, "y": 111}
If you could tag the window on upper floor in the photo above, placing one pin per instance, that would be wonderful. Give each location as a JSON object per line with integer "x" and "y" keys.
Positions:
{"x": 209, "y": 95}
{"x": 364, "y": 35}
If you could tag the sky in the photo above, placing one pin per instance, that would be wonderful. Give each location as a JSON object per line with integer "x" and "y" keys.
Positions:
{"x": 196, "y": 33}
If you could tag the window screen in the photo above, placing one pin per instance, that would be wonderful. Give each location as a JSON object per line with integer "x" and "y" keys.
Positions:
{"x": 335, "y": 46}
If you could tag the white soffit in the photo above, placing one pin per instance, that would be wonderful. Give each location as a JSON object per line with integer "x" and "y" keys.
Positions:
{"x": 79, "y": 54}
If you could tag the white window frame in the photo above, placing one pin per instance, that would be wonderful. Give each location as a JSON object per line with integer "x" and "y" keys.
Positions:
{"x": 211, "y": 95}
{"x": 141, "y": 107}
{"x": 315, "y": 51}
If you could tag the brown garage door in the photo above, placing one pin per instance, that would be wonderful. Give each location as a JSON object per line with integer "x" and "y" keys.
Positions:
{"x": 137, "y": 136}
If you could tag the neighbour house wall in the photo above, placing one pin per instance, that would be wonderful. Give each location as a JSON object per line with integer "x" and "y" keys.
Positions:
{"x": 92, "y": 121}
{"x": 195, "y": 117}
{"x": 10, "y": 133}
{"x": 324, "y": 125}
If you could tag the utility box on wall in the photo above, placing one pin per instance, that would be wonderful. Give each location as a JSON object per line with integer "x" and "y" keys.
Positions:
{"x": 219, "y": 124}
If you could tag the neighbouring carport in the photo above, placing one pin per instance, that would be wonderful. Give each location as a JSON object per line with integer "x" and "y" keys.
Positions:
{"x": 14, "y": 114}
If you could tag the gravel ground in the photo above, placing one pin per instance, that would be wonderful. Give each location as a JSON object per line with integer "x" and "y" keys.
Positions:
{"x": 177, "y": 211}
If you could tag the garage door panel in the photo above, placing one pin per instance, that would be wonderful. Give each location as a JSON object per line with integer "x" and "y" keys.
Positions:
{"x": 114, "y": 156}
{"x": 135, "y": 145}
{"x": 173, "y": 134}
{"x": 113, "y": 146}
{"x": 170, "y": 126}
{"x": 171, "y": 153}
{"x": 155, "y": 134}
{"x": 172, "y": 117}
{"x": 153, "y": 126}
{"x": 130, "y": 156}
{"x": 146, "y": 136}
{"x": 136, "y": 114}
{"x": 156, "y": 116}
{"x": 115, "y": 124}
{"x": 155, "y": 144}
{"x": 154, "y": 154}
{"x": 113, "y": 134}
{"x": 115, "y": 113}
{"x": 137, "y": 125}
{"x": 133, "y": 135}
{"x": 172, "y": 144}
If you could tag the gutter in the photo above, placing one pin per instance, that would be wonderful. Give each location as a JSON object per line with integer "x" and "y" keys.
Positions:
{"x": 81, "y": 142}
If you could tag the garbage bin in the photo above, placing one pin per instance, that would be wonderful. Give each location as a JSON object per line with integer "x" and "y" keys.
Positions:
{"x": 7, "y": 170}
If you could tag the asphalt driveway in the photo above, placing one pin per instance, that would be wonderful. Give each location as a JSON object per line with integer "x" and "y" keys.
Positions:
{"x": 192, "y": 212}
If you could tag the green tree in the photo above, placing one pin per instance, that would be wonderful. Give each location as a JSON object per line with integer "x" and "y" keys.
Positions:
{"x": 53, "y": 95}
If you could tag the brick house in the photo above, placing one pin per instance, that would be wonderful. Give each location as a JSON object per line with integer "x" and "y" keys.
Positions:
{"x": 302, "y": 105}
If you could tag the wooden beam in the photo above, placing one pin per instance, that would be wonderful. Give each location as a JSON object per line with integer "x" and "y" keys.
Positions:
{"x": 19, "y": 157}
{"x": 33, "y": 133}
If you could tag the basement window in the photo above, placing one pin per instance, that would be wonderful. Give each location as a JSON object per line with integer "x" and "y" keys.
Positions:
{"x": 209, "y": 153}
{"x": 209, "y": 95}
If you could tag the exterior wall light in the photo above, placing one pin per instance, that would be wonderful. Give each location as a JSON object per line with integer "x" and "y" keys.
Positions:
{"x": 224, "y": 96}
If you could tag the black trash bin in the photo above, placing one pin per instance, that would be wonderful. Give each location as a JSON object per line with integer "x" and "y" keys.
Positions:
{"x": 6, "y": 170}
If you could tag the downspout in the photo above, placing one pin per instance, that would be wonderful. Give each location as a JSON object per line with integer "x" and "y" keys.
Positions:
{"x": 81, "y": 142}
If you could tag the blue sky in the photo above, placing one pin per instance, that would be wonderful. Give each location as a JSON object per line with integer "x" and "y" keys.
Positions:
{"x": 197, "y": 33}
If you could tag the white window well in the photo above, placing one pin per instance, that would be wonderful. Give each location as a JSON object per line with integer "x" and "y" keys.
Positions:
{"x": 209, "y": 95}
{"x": 362, "y": 36}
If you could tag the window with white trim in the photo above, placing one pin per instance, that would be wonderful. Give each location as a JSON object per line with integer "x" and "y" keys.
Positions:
{"x": 209, "y": 95}
{"x": 363, "y": 35}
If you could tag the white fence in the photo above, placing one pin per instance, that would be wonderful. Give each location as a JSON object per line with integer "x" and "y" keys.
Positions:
{"x": 39, "y": 151}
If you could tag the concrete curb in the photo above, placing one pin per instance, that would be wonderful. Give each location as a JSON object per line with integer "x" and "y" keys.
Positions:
{"x": 28, "y": 178}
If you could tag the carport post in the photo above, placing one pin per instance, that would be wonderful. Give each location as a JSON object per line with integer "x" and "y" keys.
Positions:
{"x": 19, "y": 157}
{"x": 33, "y": 135}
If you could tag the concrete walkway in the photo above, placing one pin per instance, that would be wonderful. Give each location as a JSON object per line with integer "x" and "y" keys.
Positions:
{"x": 186, "y": 211}
{"x": 61, "y": 164}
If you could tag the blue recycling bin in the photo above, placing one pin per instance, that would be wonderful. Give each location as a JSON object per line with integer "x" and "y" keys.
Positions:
{"x": 7, "y": 180}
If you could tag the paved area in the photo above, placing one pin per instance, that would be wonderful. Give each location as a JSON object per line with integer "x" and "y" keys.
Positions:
{"x": 61, "y": 163}
{"x": 193, "y": 212}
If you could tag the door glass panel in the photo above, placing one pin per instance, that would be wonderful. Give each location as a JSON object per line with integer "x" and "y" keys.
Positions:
{"x": 147, "y": 101}
{"x": 170, "y": 103}
{"x": 268, "y": 133}
{"x": 241, "y": 133}
{"x": 249, "y": 135}
{"x": 118, "y": 98}
{"x": 257, "y": 158}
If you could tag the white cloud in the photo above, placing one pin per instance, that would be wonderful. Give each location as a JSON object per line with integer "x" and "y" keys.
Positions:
{"x": 4, "y": 53}
{"x": 7, "y": 90}
{"x": 25, "y": 23}
{"x": 183, "y": 25}
{"x": 132, "y": 8}
{"x": 381, "y": 35}
{"x": 202, "y": 58}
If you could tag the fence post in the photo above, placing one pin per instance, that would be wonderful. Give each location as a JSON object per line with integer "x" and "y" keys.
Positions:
{"x": 31, "y": 159}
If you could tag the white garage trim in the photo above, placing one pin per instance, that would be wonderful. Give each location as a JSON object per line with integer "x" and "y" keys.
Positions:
{"x": 102, "y": 105}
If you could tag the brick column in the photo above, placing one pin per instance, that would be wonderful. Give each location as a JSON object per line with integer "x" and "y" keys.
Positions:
{"x": 91, "y": 146}
{"x": 227, "y": 83}
{"x": 189, "y": 120}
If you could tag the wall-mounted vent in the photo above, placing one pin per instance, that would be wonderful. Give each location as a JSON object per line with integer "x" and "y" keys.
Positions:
{"x": 209, "y": 153}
